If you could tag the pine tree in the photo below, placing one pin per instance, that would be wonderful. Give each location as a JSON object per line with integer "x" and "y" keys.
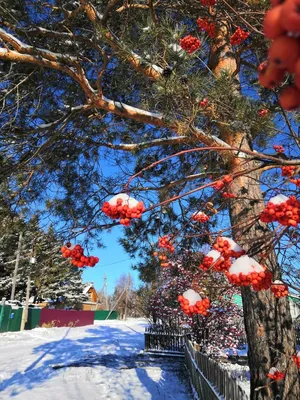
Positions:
{"x": 116, "y": 76}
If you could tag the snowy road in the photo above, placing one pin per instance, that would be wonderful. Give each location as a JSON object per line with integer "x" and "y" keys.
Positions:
{"x": 113, "y": 368}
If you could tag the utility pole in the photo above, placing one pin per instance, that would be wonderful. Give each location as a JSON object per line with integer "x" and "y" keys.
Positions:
{"x": 126, "y": 297}
{"x": 25, "y": 310}
{"x": 105, "y": 292}
{"x": 13, "y": 290}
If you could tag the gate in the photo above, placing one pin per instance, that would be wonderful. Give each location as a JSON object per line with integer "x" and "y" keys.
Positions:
{"x": 166, "y": 339}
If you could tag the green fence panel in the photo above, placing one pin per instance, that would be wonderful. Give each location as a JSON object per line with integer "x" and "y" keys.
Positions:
{"x": 5, "y": 318}
{"x": 101, "y": 315}
{"x": 15, "y": 317}
{"x": 33, "y": 320}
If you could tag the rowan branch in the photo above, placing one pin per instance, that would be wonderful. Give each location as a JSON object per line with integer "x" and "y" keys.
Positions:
{"x": 171, "y": 184}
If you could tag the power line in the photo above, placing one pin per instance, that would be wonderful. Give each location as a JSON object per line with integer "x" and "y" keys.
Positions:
{"x": 116, "y": 262}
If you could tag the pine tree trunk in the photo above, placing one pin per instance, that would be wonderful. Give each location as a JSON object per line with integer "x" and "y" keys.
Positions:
{"x": 270, "y": 333}
{"x": 268, "y": 322}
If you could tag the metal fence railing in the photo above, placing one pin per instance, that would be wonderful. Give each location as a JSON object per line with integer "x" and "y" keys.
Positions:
{"x": 165, "y": 339}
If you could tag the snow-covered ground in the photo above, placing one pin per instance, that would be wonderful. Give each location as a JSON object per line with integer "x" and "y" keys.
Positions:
{"x": 102, "y": 361}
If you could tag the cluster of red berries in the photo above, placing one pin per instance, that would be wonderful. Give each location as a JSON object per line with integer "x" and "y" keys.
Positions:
{"x": 288, "y": 170}
{"x": 295, "y": 181}
{"x": 200, "y": 217}
{"x": 258, "y": 280}
{"x": 190, "y": 44}
{"x": 203, "y": 103}
{"x": 239, "y": 36}
{"x": 279, "y": 289}
{"x": 278, "y": 148}
{"x": 222, "y": 182}
{"x": 208, "y": 3}
{"x": 227, "y": 195}
{"x": 208, "y": 27}
{"x": 275, "y": 375}
{"x": 263, "y": 112}
{"x": 296, "y": 359}
{"x": 228, "y": 248}
{"x": 124, "y": 210}
{"x": 78, "y": 259}
{"x": 287, "y": 213}
{"x": 164, "y": 243}
{"x": 282, "y": 24}
{"x": 218, "y": 264}
{"x": 200, "y": 307}
{"x": 163, "y": 259}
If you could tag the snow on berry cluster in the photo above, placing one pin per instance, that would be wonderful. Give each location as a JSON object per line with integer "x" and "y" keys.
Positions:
{"x": 278, "y": 148}
{"x": 279, "y": 289}
{"x": 124, "y": 208}
{"x": 214, "y": 260}
{"x": 190, "y": 44}
{"x": 228, "y": 247}
{"x": 200, "y": 217}
{"x": 282, "y": 25}
{"x": 245, "y": 271}
{"x": 282, "y": 209}
{"x": 165, "y": 243}
{"x": 275, "y": 375}
{"x": 192, "y": 303}
{"x": 239, "y": 36}
{"x": 219, "y": 259}
{"x": 296, "y": 359}
{"x": 208, "y": 27}
{"x": 78, "y": 259}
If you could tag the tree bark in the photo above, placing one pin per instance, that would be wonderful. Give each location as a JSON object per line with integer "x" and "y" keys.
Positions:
{"x": 268, "y": 322}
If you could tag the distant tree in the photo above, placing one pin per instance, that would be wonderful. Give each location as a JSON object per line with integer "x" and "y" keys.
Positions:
{"x": 52, "y": 277}
{"x": 124, "y": 297}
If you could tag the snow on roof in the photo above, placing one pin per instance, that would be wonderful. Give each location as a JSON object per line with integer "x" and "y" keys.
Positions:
{"x": 87, "y": 288}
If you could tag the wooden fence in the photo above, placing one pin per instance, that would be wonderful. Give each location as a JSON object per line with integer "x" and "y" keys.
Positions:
{"x": 209, "y": 380}
{"x": 165, "y": 339}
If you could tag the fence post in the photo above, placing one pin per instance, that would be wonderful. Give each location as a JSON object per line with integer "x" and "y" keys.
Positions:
{"x": 2, "y": 310}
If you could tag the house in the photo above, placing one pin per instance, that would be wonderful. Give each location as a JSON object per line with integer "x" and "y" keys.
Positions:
{"x": 93, "y": 303}
{"x": 294, "y": 301}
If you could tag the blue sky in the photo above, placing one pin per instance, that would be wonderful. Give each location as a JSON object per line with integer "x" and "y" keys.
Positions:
{"x": 113, "y": 262}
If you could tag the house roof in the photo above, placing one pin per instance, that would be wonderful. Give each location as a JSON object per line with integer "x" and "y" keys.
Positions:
{"x": 88, "y": 287}
{"x": 294, "y": 298}
{"x": 237, "y": 299}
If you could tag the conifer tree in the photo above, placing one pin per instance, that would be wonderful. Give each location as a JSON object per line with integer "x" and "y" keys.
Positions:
{"x": 173, "y": 86}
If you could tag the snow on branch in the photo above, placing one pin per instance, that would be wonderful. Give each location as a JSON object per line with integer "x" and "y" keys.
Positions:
{"x": 150, "y": 70}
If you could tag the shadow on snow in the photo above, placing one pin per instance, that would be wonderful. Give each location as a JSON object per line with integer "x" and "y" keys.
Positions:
{"x": 104, "y": 346}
